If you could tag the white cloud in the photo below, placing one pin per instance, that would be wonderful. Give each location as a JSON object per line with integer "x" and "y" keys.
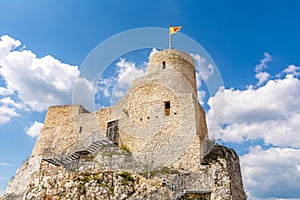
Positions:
{"x": 153, "y": 51}
{"x": 7, "y": 44}
{"x": 117, "y": 86}
{"x": 32, "y": 83}
{"x": 34, "y": 129}
{"x": 201, "y": 94}
{"x": 39, "y": 82}
{"x": 263, "y": 62}
{"x": 84, "y": 93}
{"x": 105, "y": 84}
{"x": 215, "y": 115}
{"x": 274, "y": 132}
{"x": 291, "y": 69}
{"x": 124, "y": 68}
{"x": 272, "y": 174}
{"x": 203, "y": 69}
{"x": 4, "y": 91}
{"x": 262, "y": 77}
{"x": 6, "y": 114}
{"x": 10, "y": 102}
{"x": 269, "y": 112}
{"x": 126, "y": 73}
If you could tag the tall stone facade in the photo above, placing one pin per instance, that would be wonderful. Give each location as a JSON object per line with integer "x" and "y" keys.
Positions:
{"x": 159, "y": 113}
{"x": 157, "y": 131}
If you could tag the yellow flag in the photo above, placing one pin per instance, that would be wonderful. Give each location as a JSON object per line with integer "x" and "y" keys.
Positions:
{"x": 174, "y": 29}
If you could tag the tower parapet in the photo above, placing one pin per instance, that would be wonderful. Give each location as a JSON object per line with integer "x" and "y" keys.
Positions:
{"x": 173, "y": 59}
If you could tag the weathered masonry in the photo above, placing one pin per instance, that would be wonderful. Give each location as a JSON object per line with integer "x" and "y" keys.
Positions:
{"x": 149, "y": 145}
{"x": 160, "y": 117}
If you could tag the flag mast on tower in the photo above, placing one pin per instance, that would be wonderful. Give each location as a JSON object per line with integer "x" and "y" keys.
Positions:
{"x": 172, "y": 29}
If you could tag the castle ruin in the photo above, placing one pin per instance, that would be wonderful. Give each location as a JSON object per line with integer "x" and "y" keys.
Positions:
{"x": 157, "y": 133}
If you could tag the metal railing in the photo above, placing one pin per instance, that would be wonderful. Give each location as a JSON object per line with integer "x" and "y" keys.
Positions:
{"x": 82, "y": 145}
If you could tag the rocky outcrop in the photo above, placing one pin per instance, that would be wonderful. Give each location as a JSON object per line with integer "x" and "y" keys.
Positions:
{"x": 229, "y": 172}
{"x": 18, "y": 186}
{"x": 219, "y": 178}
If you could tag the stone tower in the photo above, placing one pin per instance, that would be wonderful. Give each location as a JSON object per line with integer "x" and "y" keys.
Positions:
{"x": 158, "y": 125}
{"x": 160, "y": 116}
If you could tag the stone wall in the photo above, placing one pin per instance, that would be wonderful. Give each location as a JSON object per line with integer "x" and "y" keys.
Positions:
{"x": 103, "y": 116}
{"x": 144, "y": 126}
{"x": 174, "y": 59}
{"x": 59, "y": 130}
{"x": 148, "y": 130}
{"x": 170, "y": 78}
{"x": 86, "y": 124}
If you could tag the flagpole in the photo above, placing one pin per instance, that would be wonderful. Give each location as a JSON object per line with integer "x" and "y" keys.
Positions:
{"x": 172, "y": 30}
{"x": 170, "y": 41}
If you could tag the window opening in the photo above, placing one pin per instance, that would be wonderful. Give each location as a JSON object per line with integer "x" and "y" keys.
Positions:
{"x": 164, "y": 64}
{"x": 167, "y": 108}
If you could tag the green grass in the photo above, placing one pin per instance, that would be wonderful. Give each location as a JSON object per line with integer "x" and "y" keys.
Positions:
{"x": 127, "y": 177}
{"x": 125, "y": 148}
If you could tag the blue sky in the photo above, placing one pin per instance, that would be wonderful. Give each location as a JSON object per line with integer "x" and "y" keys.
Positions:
{"x": 255, "y": 45}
